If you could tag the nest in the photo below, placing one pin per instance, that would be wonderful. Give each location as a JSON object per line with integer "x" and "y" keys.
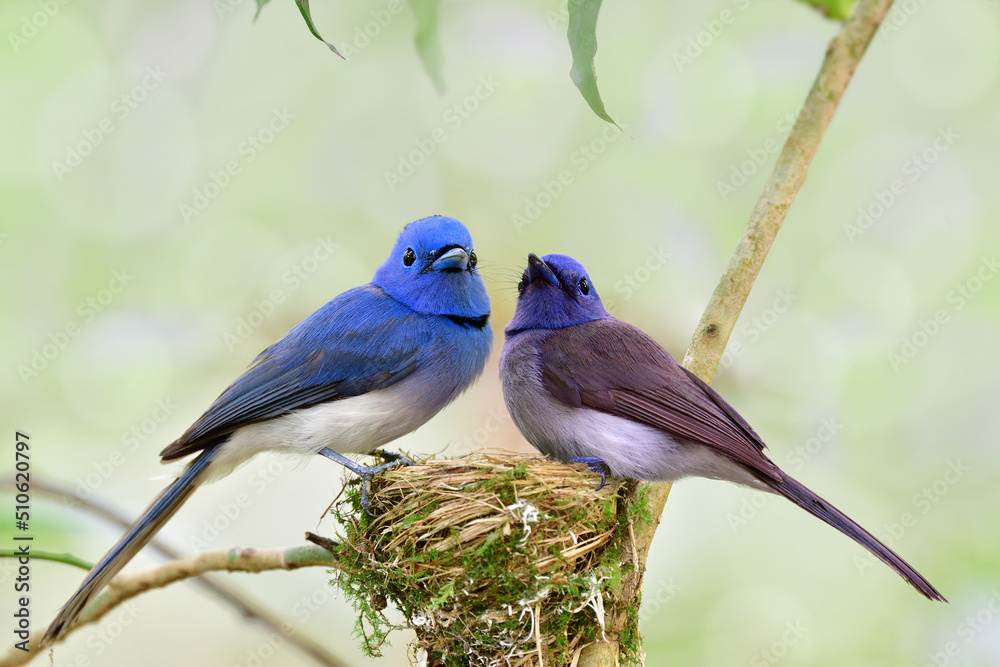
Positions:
{"x": 494, "y": 559}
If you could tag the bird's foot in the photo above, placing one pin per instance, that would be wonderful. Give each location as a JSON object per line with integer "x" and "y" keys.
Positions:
{"x": 367, "y": 472}
{"x": 393, "y": 456}
{"x": 594, "y": 464}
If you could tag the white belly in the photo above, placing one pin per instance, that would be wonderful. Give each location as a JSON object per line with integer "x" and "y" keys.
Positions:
{"x": 351, "y": 425}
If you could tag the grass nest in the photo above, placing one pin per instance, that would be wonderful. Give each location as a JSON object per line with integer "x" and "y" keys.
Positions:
{"x": 496, "y": 558}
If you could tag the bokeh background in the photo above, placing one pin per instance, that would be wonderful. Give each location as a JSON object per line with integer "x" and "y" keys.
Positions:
{"x": 182, "y": 184}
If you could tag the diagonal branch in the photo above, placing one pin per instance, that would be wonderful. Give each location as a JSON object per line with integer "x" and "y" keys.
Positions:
{"x": 126, "y": 586}
{"x": 842, "y": 57}
{"x": 247, "y": 607}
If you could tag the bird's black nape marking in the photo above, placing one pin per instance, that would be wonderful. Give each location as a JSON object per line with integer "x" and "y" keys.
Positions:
{"x": 470, "y": 322}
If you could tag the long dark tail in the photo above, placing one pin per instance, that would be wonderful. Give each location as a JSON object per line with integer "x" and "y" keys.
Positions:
{"x": 157, "y": 514}
{"x": 816, "y": 506}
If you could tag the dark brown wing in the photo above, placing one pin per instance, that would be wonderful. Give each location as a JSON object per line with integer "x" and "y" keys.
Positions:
{"x": 612, "y": 366}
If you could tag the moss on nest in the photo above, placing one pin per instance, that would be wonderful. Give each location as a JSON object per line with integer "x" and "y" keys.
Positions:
{"x": 484, "y": 554}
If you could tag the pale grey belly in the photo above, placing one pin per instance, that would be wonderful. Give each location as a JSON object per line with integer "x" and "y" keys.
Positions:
{"x": 631, "y": 449}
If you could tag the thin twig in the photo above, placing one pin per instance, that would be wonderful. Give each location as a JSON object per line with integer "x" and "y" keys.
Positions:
{"x": 324, "y": 542}
{"x": 538, "y": 634}
{"x": 244, "y": 605}
{"x": 126, "y": 586}
{"x": 631, "y": 539}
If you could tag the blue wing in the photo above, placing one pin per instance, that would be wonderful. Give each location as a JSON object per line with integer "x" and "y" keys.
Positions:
{"x": 360, "y": 341}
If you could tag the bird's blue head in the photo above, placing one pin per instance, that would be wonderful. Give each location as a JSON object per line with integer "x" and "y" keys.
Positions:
{"x": 555, "y": 291}
{"x": 432, "y": 269}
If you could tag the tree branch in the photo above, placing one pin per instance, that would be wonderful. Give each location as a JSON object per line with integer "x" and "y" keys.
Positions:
{"x": 842, "y": 57}
{"x": 126, "y": 586}
{"x": 244, "y": 605}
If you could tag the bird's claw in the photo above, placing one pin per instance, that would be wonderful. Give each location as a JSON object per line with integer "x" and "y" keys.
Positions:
{"x": 594, "y": 464}
{"x": 366, "y": 473}
{"x": 395, "y": 460}
{"x": 393, "y": 457}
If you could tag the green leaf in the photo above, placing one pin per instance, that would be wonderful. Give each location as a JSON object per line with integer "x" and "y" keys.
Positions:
{"x": 68, "y": 559}
{"x": 428, "y": 40}
{"x": 582, "y": 35}
{"x": 304, "y": 8}
{"x": 260, "y": 6}
{"x": 834, "y": 9}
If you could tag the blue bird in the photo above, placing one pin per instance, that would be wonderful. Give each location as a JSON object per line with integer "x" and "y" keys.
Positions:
{"x": 371, "y": 365}
{"x": 585, "y": 387}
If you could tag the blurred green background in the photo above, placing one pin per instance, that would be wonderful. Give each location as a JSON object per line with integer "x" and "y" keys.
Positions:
{"x": 180, "y": 185}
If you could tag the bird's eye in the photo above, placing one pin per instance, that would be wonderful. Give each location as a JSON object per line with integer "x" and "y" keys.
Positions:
{"x": 473, "y": 259}
{"x": 584, "y": 286}
{"x": 409, "y": 257}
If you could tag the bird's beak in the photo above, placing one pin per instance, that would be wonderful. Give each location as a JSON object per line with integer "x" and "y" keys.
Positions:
{"x": 456, "y": 258}
{"x": 539, "y": 270}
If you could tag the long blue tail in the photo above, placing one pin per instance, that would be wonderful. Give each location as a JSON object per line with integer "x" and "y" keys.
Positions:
{"x": 157, "y": 514}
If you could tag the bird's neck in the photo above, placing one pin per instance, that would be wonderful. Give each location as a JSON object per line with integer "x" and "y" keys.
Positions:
{"x": 461, "y": 304}
{"x": 473, "y": 322}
